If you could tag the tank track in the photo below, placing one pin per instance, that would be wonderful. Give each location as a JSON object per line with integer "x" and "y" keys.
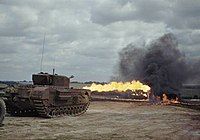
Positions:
{"x": 21, "y": 113}
{"x": 47, "y": 112}
{"x": 50, "y": 112}
{"x": 14, "y": 111}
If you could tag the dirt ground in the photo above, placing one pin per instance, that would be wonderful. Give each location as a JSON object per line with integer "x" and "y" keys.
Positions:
{"x": 110, "y": 120}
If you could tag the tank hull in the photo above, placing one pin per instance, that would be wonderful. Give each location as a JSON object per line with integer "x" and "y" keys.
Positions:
{"x": 47, "y": 101}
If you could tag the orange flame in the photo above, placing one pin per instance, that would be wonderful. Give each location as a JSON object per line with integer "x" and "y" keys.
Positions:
{"x": 119, "y": 86}
{"x": 166, "y": 101}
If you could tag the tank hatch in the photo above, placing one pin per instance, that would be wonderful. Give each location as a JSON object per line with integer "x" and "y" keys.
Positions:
{"x": 49, "y": 79}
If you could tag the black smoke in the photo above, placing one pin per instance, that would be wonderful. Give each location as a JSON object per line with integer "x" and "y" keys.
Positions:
{"x": 161, "y": 65}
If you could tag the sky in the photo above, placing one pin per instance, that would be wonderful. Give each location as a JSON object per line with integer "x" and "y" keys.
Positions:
{"x": 83, "y": 38}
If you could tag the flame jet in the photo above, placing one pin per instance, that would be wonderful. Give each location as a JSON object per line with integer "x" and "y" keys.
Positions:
{"x": 119, "y": 87}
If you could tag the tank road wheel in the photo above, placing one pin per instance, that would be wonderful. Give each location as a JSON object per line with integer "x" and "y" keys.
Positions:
{"x": 75, "y": 100}
{"x": 2, "y": 111}
{"x": 53, "y": 113}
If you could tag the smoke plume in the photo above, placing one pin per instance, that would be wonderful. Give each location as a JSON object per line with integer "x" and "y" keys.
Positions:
{"x": 161, "y": 65}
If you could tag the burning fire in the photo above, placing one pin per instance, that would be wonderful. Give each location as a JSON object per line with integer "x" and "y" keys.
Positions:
{"x": 167, "y": 101}
{"x": 119, "y": 86}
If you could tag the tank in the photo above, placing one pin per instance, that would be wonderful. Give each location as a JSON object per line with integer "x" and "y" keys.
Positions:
{"x": 50, "y": 95}
{"x": 2, "y": 111}
{"x": 2, "y": 104}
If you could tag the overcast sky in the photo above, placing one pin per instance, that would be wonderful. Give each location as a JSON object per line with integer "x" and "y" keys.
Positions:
{"x": 85, "y": 36}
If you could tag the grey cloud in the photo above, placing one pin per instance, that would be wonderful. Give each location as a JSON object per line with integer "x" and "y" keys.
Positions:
{"x": 6, "y": 47}
{"x": 176, "y": 14}
{"x": 112, "y": 11}
{"x": 190, "y": 37}
{"x": 108, "y": 12}
{"x": 84, "y": 37}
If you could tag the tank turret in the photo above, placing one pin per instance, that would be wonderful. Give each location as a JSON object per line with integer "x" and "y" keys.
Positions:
{"x": 50, "y": 79}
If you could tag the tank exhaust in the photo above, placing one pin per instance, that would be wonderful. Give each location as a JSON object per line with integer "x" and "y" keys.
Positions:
{"x": 53, "y": 71}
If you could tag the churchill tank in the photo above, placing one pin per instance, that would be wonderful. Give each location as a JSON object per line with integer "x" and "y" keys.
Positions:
{"x": 2, "y": 104}
{"x": 2, "y": 111}
{"x": 49, "y": 96}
